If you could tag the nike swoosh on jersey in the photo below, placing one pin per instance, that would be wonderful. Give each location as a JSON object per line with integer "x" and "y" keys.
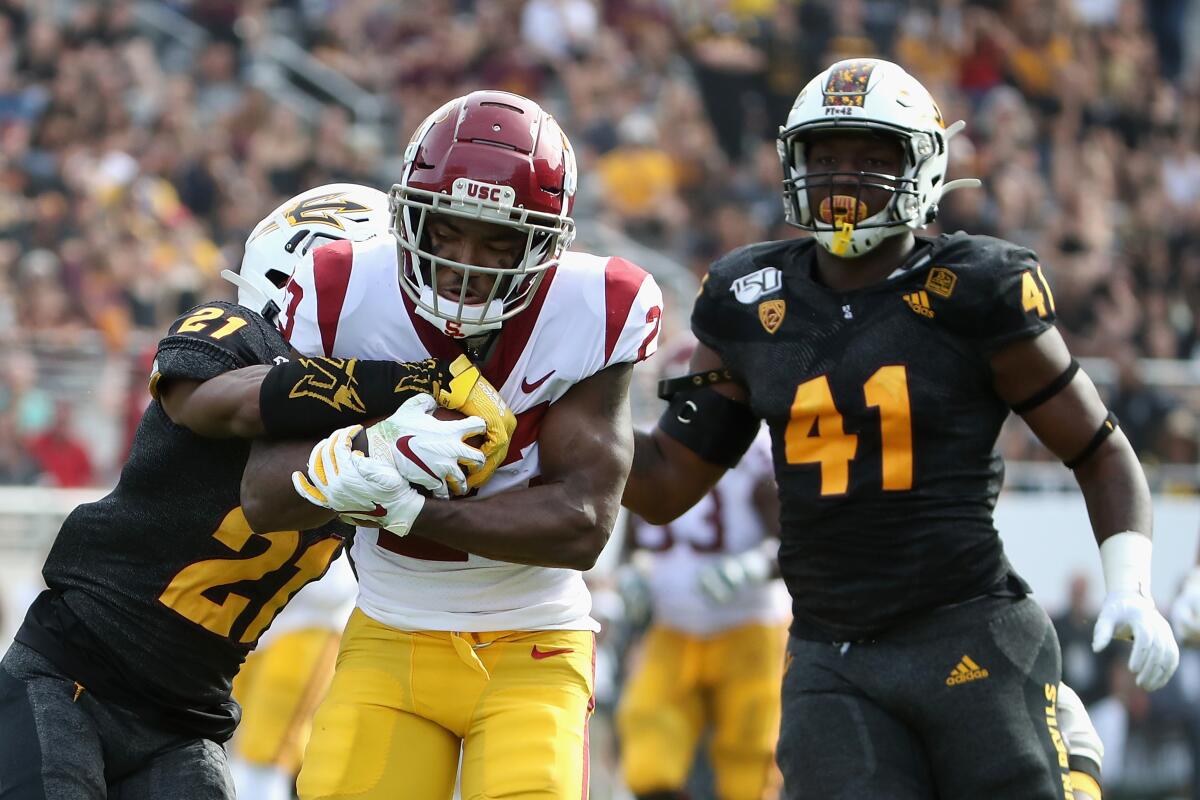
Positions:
{"x": 558, "y": 651}
{"x": 529, "y": 388}
{"x": 403, "y": 446}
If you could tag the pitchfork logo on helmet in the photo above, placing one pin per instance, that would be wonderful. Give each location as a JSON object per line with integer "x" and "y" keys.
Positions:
{"x": 310, "y": 219}
{"x": 867, "y": 94}
{"x": 847, "y": 83}
{"x": 490, "y": 157}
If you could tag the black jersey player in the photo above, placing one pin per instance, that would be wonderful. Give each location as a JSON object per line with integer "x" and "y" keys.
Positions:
{"x": 118, "y": 684}
{"x": 884, "y": 364}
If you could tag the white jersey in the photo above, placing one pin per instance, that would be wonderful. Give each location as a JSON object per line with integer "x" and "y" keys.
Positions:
{"x": 324, "y": 604}
{"x": 723, "y": 523}
{"x": 589, "y": 313}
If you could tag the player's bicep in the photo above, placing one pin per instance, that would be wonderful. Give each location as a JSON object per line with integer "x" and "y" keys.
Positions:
{"x": 220, "y": 407}
{"x": 174, "y": 396}
{"x": 586, "y": 440}
{"x": 1066, "y": 420}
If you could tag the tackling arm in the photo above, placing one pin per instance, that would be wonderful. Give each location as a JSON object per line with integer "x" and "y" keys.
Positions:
{"x": 585, "y": 450}
{"x": 667, "y": 478}
{"x": 308, "y": 396}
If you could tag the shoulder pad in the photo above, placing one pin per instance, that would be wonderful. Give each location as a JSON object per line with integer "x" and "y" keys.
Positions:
{"x": 329, "y": 284}
{"x": 988, "y": 290}
{"x": 741, "y": 277}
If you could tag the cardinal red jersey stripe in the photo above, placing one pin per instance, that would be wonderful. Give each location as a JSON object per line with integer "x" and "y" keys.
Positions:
{"x": 622, "y": 280}
{"x": 514, "y": 336}
{"x": 331, "y": 274}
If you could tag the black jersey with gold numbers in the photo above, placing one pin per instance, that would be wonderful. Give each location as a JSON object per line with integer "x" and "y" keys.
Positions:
{"x": 883, "y": 419}
{"x": 159, "y": 590}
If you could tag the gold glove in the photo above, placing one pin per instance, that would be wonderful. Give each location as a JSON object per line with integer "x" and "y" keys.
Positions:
{"x": 470, "y": 393}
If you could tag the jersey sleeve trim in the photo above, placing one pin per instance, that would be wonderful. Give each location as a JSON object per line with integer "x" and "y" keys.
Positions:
{"x": 331, "y": 276}
{"x": 622, "y": 280}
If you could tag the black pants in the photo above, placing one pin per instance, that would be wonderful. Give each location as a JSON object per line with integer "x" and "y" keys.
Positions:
{"x": 957, "y": 704}
{"x": 58, "y": 742}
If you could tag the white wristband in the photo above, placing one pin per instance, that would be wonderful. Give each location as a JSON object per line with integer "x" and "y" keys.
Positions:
{"x": 1125, "y": 558}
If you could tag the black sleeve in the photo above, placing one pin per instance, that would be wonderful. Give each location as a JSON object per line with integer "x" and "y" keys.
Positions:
{"x": 209, "y": 340}
{"x": 1002, "y": 295}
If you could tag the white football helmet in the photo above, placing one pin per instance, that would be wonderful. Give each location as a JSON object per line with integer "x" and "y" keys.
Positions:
{"x": 867, "y": 94}
{"x": 310, "y": 219}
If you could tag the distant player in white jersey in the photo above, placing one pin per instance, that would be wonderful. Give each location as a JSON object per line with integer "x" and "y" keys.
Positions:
{"x": 473, "y": 631}
{"x": 713, "y": 656}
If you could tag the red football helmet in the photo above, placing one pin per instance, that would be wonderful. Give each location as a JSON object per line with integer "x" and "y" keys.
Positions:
{"x": 495, "y": 157}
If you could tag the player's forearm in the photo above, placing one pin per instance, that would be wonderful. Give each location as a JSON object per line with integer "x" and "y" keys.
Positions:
{"x": 1115, "y": 490}
{"x": 548, "y": 526}
{"x": 269, "y": 499}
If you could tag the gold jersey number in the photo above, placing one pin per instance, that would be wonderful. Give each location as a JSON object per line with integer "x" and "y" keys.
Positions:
{"x": 815, "y": 433}
{"x": 185, "y": 595}
{"x": 199, "y": 323}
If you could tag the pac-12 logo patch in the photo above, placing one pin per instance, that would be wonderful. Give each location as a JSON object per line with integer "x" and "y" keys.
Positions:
{"x": 770, "y": 314}
{"x": 749, "y": 288}
{"x": 941, "y": 281}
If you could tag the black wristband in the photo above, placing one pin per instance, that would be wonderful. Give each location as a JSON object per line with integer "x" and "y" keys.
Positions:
{"x": 311, "y": 396}
{"x": 712, "y": 426}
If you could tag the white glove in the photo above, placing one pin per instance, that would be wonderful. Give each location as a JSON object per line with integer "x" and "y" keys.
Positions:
{"x": 426, "y": 451}
{"x": 1127, "y": 613}
{"x": 635, "y": 594}
{"x": 1185, "y": 612}
{"x": 357, "y": 488}
{"x": 722, "y": 581}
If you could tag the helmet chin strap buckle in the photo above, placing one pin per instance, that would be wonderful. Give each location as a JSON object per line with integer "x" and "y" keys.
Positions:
{"x": 841, "y": 239}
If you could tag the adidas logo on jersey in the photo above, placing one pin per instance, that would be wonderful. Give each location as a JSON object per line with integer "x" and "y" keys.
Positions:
{"x": 919, "y": 302}
{"x": 966, "y": 671}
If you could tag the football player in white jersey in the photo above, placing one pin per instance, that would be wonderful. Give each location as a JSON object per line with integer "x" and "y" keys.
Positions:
{"x": 283, "y": 680}
{"x": 473, "y": 632}
{"x": 713, "y": 655}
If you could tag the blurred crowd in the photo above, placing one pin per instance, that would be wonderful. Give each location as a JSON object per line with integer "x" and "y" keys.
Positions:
{"x": 137, "y": 150}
